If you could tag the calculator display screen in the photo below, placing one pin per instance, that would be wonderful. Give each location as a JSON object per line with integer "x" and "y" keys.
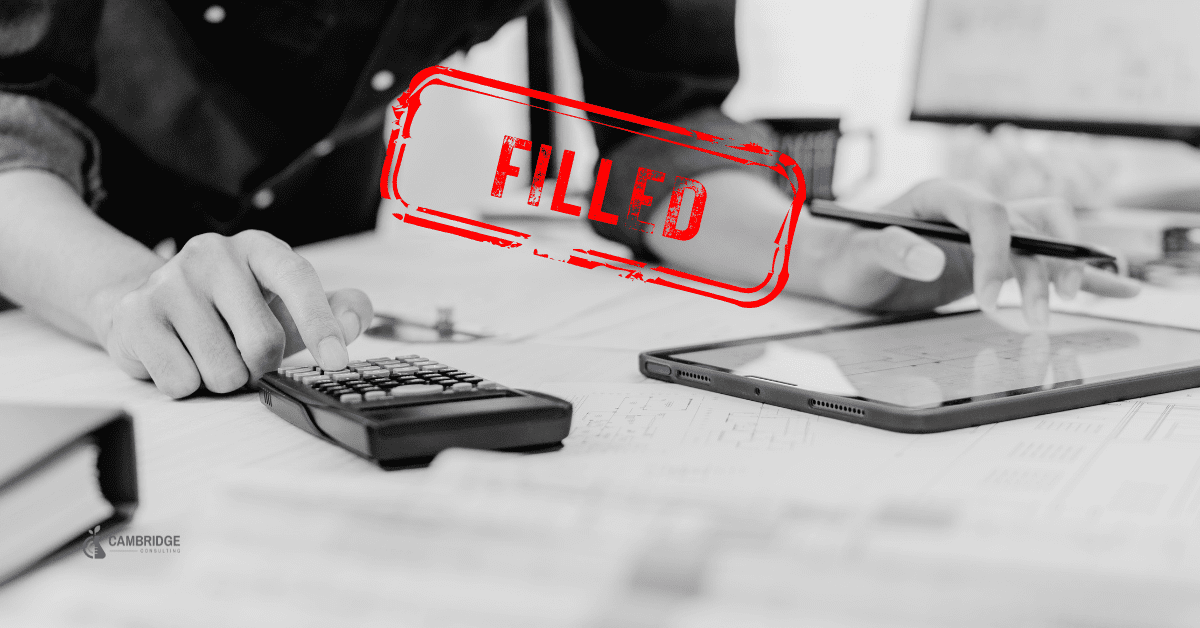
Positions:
{"x": 944, "y": 360}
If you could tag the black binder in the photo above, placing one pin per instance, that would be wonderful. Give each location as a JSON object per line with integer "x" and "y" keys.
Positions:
{"x": 32, "y": 438}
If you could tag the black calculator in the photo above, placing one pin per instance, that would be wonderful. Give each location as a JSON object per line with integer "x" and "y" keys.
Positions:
{"x": 402, "y": 411}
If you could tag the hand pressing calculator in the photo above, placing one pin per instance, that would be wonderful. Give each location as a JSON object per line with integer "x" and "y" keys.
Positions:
{"x": 402, "y": 411}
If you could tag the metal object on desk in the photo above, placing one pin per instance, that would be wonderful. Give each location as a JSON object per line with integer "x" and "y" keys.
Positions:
{"x": 443, "y": 329}
{"x": 1179, "y": 267}
{"x": 1173, "y": 271}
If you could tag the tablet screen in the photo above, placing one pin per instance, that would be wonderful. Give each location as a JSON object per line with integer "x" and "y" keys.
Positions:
{"x": 944, "y": 360}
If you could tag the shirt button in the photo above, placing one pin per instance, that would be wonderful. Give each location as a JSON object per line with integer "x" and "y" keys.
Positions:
{"x": 214, "y": 14}
{"x": 322, "y": 148}
{"x": 263, "y": 198}
{"x": 382, "y": 80}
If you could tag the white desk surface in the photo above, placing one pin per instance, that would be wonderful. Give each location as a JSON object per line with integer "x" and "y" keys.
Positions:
{"x": 557, "y": 324}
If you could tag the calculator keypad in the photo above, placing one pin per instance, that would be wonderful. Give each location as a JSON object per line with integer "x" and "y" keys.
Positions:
{"x": 382, "y": 378}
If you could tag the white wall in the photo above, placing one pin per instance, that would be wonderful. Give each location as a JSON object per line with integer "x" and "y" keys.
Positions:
{"x": 850, "y": 58}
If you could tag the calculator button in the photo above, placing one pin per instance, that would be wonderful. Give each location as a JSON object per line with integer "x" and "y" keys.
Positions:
{"x": 461, "y": 386}
{"x": 342, "y": 377}
{"x": 376, "y": 373}
{"x": 487, "y": 385}
{"x": 309, "y": 380}
{"x": 411, "y": 356}
{"x": 379, "y": 360}
{"x": 350, "y": 398}
{"x": 291, "y": 371}
{"x": 404, "y": 370}
{"x": 357, "y": 363}
{"x": 339, "y": 391}
{"x": 375, "y": 395}
{"x": 416, "y": 389}
{"x": 472, "y": 379}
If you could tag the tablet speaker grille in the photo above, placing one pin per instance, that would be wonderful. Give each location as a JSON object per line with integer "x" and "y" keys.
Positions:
{"x": 817, "y": 403}
{"x": 694, "y": 376}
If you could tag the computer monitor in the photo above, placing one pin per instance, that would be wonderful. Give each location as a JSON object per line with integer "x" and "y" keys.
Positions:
{"x": 1121, "y": 67}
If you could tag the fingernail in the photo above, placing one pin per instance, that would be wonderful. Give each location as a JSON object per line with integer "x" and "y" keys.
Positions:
{"x": 333, "y": 354}
{"x": 925, "y": 262}
{"x": 350, "y": 325}
{"x": 988, "y": 295}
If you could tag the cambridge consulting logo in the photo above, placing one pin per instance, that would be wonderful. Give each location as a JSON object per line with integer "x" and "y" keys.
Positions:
{"x": 91, "y": 548}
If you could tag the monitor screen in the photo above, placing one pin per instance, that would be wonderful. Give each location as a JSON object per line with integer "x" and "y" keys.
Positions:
{"x": 1091, "y": 65}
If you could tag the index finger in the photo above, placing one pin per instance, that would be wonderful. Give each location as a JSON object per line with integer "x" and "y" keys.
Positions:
{"x": 280, "y": 270}
{"x": 980, "y": 215}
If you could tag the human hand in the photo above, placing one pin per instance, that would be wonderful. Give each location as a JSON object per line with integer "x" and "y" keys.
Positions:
{"x": 224, "y": 311}
{"x": 894, "y": 269}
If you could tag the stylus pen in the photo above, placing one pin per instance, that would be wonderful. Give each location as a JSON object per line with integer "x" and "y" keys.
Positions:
{"x": 1034, "y": 245}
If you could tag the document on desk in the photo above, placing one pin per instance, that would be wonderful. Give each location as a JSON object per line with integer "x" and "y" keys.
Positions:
{"x": 654, "y": 318}
{"x": 490, "y": 540}
{"x": 1134, "y": 461}
{"x": 674, "y": 507}
{"x": 511, "y": 296}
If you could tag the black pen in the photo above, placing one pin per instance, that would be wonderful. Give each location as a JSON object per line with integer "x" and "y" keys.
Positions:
{"x": 1033, "y": 245}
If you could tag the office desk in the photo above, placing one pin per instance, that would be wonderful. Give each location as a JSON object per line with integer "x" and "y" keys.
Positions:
{"x": 554, "y": 323}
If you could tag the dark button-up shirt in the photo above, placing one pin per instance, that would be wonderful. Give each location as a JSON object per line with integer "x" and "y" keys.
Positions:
{"x": 177, "y": 117}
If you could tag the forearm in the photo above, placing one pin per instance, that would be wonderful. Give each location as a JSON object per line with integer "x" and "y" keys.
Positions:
{"x": 59, "y": 260}
{"x": 742, "y": 215}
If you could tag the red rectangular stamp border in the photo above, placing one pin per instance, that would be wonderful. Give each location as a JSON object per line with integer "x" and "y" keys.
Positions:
{"x": 746, "y": 154}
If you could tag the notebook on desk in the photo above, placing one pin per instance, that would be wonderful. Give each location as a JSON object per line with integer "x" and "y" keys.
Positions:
{"x": 65, "y": 473}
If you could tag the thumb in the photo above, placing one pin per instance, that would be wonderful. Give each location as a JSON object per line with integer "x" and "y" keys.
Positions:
{"x": 904, "y": 253}
{"x": 353, "y": 310}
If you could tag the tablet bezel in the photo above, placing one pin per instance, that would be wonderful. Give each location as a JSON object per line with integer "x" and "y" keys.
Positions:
{"x": 950, "y": 414}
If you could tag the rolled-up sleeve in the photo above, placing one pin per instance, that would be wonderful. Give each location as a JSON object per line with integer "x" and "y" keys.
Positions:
{"x": 47, "y": 65}
{"x": 37, "y": 134}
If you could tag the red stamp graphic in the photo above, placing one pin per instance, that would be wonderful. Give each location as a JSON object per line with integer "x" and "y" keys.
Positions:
{"x": 511, "y": 178}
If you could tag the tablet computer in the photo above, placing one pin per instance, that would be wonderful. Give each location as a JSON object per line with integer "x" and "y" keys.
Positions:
{"x": 936, "y": 372}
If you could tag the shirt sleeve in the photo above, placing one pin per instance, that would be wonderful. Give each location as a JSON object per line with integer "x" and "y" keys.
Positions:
{"x": 668, "y": 60}
{"x": 46, "y": 67}
{"x": 40, "y": 135}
